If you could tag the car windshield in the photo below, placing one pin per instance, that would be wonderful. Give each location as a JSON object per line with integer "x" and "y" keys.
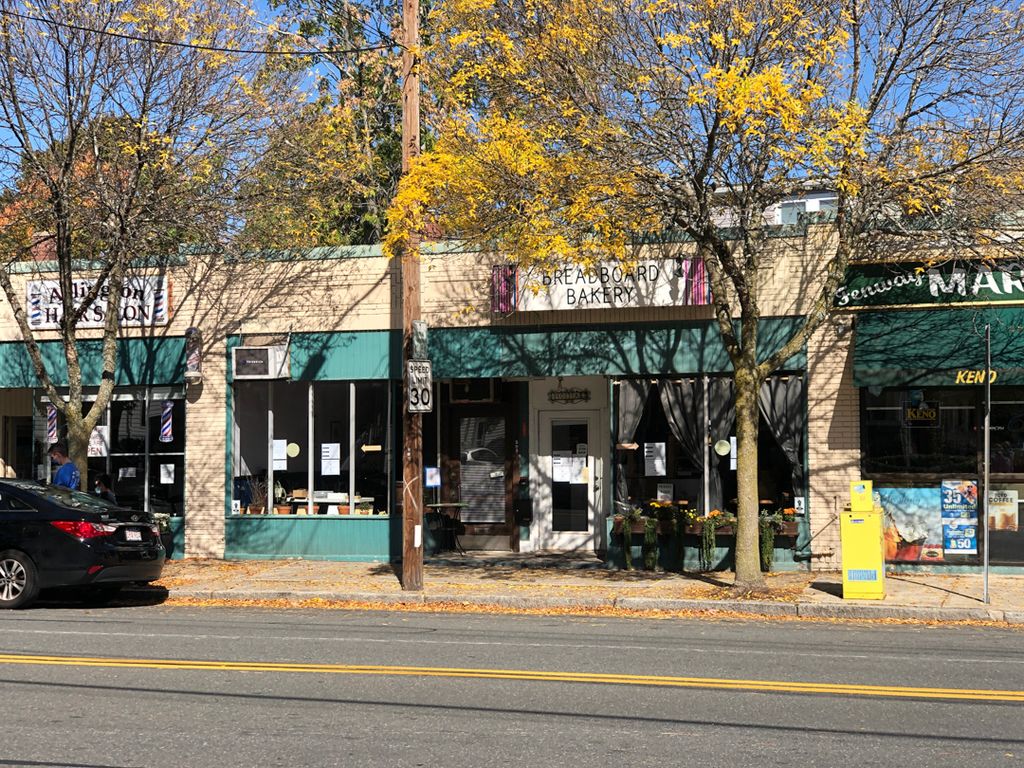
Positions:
{"x": 63, "y": 496}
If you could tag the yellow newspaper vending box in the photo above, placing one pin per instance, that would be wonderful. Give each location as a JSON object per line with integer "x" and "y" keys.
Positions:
{"x": 860, "y": 534}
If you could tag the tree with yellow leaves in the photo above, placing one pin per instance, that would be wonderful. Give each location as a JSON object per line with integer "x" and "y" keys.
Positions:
{"x": 127, "y": 130}
{"x": 332, "y": 171}
{"x": 567, "y": 128}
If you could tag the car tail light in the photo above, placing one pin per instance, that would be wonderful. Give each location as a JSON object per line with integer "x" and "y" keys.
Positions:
{"x": 83, "y": 530}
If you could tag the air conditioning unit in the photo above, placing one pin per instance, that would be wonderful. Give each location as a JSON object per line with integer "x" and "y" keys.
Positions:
{"x": 260, "y": 362}
{"x": 471, "y": 391}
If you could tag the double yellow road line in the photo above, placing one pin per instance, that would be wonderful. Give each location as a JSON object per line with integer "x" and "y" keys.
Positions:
{"x": 767, "y": 686}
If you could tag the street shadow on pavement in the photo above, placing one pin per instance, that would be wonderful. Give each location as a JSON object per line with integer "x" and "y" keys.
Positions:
{"x": 828, "y": 587}
{"x": 131, "y": 597}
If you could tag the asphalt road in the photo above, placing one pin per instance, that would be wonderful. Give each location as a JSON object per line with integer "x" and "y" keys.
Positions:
{"x": 164, "y": 686}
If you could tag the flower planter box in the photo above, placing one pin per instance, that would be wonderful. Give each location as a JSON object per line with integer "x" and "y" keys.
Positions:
{"x": 786, "y": 528}
{"x": 640, "y": 526}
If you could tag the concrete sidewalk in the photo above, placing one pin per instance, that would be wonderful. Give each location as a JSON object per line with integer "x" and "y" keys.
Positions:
{"x": 564, "y": 584}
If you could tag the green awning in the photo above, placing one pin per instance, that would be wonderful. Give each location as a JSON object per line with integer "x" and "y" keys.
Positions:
{"x": 937, "y": 347}
{"x": 140, "y": 361}
{"x": 686, "y": 347}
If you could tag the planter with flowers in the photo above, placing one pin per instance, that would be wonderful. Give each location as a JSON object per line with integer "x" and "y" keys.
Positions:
{"x": 670, "y": 536}
{"x": 654, "y": 532}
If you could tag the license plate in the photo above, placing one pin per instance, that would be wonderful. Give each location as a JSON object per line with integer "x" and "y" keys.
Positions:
{"x": 131, "y": 535}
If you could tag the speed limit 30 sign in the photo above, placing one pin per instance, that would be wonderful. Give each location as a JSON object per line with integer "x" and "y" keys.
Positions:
{"x": 420, "y": 386}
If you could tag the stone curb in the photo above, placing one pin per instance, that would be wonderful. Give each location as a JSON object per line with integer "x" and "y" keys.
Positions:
{"x": 831, "y": 611}
{"x": 513, "y": 601}
{"x": 754, "y": 607}
{"x": 751, "y": 608}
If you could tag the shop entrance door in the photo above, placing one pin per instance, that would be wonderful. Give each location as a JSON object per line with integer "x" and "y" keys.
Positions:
{"x": 569, "y": 477}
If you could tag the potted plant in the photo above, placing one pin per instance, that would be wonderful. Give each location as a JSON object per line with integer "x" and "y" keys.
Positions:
{"x": 258, "y": 496}
{"x": 163, "y": 524}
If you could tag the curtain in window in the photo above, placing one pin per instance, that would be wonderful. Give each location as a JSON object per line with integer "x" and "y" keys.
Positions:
{"x": 781, "y": 402}
{"x": 684, "y": 408}
{"x": 722, "y": 415}
{"x": 632, "y": 400}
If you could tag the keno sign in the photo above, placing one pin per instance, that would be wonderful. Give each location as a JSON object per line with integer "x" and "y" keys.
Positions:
{"x": 143, "y": 302}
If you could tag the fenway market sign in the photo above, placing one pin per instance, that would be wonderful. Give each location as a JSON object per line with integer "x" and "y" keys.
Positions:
{"x": 920, "y": 284}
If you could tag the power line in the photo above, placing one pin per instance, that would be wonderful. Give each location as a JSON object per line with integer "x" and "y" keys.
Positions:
{"x": 196, "y": 46}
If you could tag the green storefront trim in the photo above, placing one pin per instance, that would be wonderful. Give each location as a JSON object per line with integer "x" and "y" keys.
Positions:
{"x": 140, "y": 361}
{"x": 351, "y": 538}
{"x": 938, "y": 347}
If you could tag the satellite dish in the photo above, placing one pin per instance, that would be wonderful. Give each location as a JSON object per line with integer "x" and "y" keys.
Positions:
{"x": 723, "y": 447}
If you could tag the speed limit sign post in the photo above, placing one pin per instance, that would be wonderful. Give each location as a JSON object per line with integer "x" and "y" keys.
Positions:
{"x": 420, "y": 386}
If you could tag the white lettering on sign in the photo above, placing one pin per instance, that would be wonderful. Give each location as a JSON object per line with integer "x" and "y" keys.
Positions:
{"x": 144, "y": 302}
{"x": 419, "y": 386}
{"x": 608, "y": 285}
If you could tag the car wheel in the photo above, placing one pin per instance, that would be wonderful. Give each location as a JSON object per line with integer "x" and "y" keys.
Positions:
{"x": 19, "y": 579}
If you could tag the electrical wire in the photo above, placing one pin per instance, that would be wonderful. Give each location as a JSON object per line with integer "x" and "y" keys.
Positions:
{"x": 197, "y": 46}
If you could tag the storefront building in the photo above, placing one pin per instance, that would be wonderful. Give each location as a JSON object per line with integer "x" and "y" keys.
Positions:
{"x": 919, "y": 365}
{"x": 553, "y": 409}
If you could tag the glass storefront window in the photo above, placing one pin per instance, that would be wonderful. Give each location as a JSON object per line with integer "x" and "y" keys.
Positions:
{"x": 290, "y": 400}
{"x": 932, "y": 429}
{"x": 344, "y": 471}
{"x": 371, "y": 430}
{"x": 680, "y": 470}
{"x": 146, "y": 472}
{"x": 331, "y": 434}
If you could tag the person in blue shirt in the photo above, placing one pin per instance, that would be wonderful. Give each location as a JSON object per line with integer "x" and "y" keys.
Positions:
{"x": 67, "y": 473}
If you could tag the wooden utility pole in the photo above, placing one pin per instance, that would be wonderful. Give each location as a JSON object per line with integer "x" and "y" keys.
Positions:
{"x": 412, "y": 425}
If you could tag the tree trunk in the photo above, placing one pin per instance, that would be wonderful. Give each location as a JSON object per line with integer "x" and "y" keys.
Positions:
{"x": 78, "y": 443}
{"x": 748, "y": 558}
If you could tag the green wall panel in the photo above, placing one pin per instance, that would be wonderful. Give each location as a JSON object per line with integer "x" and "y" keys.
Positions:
{"x": 354, "y": 538}
{"x": 155, "y": 360}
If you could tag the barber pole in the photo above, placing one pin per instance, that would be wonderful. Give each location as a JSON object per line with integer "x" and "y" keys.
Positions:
{"x": 51, "y": 424}
{"x": 166, "y": 433}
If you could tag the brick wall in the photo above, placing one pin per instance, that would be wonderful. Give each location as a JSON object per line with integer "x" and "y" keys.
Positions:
{"x": 833, "y": 438}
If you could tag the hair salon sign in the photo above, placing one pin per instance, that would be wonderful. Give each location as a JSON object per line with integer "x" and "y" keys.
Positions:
{"x": 143, "y": 303}
{"x": 606, "y": 285}
{"x": 956, "y": 282}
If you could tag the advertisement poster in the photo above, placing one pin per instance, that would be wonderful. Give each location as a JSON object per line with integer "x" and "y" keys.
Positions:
{"x": 99, "y": 441}
{"x": 960, "y": 517}
{"x": 654, "y": 459}
{"x": 1002, "y": 510}
{"x": 913, "y": 524}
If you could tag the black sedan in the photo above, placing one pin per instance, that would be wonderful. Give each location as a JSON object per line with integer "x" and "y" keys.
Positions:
{"x": 53, "y": 537}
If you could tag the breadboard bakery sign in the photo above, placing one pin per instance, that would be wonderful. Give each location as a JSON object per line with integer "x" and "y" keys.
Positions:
{"x": 144, "y": 302}
{"x": 606, "y": 285}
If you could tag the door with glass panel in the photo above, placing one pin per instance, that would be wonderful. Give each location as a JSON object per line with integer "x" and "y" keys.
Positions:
{"x": 567, "y": 482}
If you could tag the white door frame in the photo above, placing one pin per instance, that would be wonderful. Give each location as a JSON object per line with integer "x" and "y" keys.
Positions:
{"x": 542, "y": 536}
